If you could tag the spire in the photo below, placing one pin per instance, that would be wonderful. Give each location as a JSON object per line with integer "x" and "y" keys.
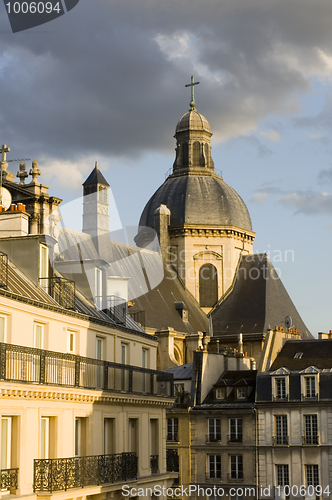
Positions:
{"x": 192, "y": 102}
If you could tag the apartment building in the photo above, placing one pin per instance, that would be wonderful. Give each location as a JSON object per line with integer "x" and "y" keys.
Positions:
{"x": 294, "y": 421}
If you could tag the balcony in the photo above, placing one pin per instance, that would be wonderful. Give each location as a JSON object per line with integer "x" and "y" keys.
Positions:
{"x": 281, "y": 440}
{"x": 37, "y": 366}
{"x": 235, "y": 477}
{"x": 172, "y": 460}
{"x": 138, "y": 316}
{"x": 234, "y": 438}
{"x": 61, "y": 290}
{"x": 154, "y": 464}
{"x": 213, "y": 438}
{"x": 76, "y": 472}
{"x": 9, "y": 480}
{"x": 311, "y": 440}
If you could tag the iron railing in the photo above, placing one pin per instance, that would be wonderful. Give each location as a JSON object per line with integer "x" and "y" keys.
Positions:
{"x": 281, "y": 440}
{"x": 26, "y": 364}
{"x": 61, "y": 290}
{"x": 138, "y": 316}
{"x": 312, "y": 439}
{"x": 9, "y": 479}
{"x": 173, "y": 437}
{"x": 77, "y": 472}
{"x": 234, "y": 438}
{"x": 154, "y": 465}
{"x": 213, "y": 438}
{"x": 235, "y": 477}
{"x": 114, "y": 307}
{"x": 172, "y": 460}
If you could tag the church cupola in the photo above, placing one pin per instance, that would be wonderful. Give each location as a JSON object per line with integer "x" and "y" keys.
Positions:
{"x": 95, "y": 204}
{"x": 193, "y": 135}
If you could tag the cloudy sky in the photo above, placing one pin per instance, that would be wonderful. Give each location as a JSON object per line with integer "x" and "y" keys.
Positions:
{"x": 106, "y": 82}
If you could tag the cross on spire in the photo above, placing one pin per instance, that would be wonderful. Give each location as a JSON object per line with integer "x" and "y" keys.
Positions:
{"x": 4, "y": 150}
{"x": 192, "y": 102}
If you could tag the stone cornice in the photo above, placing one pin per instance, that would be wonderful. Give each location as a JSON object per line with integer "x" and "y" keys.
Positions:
{"x": 227, "y": 231}
{"x": 51, "y": 394}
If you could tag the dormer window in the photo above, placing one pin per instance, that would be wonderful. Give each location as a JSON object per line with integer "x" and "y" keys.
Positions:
{"x": 281, "y": 388}
{"x": 220, "y": 393}
{"x": 241, "y": 393}
{"x": 309, "y": 383}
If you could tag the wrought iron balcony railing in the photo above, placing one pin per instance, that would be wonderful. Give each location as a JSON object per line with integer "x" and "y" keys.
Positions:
{"x": 281, "y": 440}
{"x": 308, "y": 397}
{"x": 172, "y": 460}
{"x": 312, "y": 439}
{"x": 29, "y": 365}
{"x": 61, "y": 289}
{"x": 235, "y": 477}
{"x": 154, "y": 464}
{"x": 58, "y": 474}
{"x": 213, "y": 438}
{"x": 138, "y": 316}
{"x": 9, "y": 479}
{"x": 234, "y": 438}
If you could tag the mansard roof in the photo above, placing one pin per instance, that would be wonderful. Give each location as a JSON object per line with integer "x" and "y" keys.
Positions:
{"x": 257, "y": 302}
{"x": 316, "y": 353}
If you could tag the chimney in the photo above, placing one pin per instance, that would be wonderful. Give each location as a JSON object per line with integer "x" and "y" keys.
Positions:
{"x": 161, "y": 222}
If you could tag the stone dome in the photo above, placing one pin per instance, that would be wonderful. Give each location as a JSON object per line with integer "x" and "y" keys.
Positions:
{"x": 192, "y": 120}
{"x": 198, "y": 200}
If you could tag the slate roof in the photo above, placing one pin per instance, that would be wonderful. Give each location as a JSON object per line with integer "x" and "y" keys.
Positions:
{"x": 198, "y": 200}
{"x": 258, "y": 301}
{"x": 316, "y": 352}
{"x": 183, "y": 372}
{"x": 96, "y": 177}
{"x": 152, "y": 287}
{"x": 233, "y": 379}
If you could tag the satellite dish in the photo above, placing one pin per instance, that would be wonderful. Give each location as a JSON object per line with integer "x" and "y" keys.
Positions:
{"x": 288, "y": 322}
{"x": 5, "y": 198}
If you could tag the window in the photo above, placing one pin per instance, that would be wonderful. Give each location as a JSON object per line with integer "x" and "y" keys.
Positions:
{"x": 281, "y": 429}
{"x": 43, "y": 265}
{"x": 172, "y": 429}
{"x": 38, "y": 336}
{"x": 81, "y": 427}
{"x": 102, "y": 191}
{"x": 220, "y": 393}
{"x": 145, "y": 376}
{"x": 236, "y": 466}
{"x": 282, "y": 475}
{"x": 3, "y": 328}
{"x": 133, "y": 435}
{"x": 312, "y": 475}
{"x": 71, "y": 341}
{"x": 310, "y": 429}
{"x": 280, "y": 391}
{"x": 235, "y": 430}
{"x": 6, "y": 442}
{"x": 310, "y": 387}
{"x": 109, "y": 436}
{"x": 214, "y": 427}
{"x": 214, "y": 466}
{"x": 208, "y": 285}
{"x": 241, "y": 393}
{"x": 44, "y": 437}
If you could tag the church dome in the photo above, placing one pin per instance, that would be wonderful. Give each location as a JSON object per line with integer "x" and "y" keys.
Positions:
{"x": 192, "y": 120}
{"x": 198, "y": 200}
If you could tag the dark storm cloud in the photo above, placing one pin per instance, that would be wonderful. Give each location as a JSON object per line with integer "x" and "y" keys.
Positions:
{"x": 109, "y": 76}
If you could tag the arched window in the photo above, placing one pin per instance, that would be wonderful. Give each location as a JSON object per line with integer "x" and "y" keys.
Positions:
{"x": 208, "y": 285}
{"x": 196, "y": 153}
{"x": 185, "y": 154}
